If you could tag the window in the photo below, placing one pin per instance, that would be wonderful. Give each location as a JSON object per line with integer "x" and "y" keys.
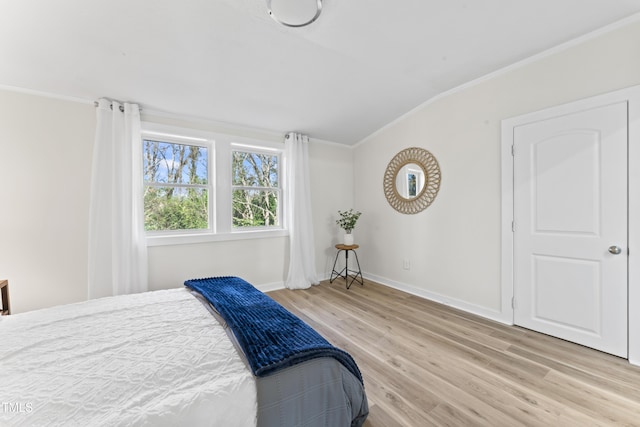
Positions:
{"x": 201, "y": 186}
{"x": 255, "y": 189}
{"x": 176, "y": 186}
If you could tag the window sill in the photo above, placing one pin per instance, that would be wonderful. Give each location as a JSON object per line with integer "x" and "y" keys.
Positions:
{"x": 186, "y": 239}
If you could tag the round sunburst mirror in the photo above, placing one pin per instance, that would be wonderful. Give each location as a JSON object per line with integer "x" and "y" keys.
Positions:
{"x": 412, "y": 180}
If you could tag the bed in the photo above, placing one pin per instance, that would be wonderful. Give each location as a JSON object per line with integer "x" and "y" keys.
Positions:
{"x": 174, "y": 357}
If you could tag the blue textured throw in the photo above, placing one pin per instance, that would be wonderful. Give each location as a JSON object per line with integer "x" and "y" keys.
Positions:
{"x": 271, "y": 337}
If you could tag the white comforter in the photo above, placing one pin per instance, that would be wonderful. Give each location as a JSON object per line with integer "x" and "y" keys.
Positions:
{"x": 154, "y": 359}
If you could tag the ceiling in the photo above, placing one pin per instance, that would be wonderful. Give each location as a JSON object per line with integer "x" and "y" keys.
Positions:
{"x": 361, "y": 65}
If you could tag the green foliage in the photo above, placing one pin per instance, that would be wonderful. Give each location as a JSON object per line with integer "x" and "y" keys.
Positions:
{"x": 348, "y": 219}
{"x": 165, "y": 209}
{"x": 255, "y": 208}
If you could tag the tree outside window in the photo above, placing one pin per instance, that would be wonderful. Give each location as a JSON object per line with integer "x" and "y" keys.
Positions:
{"x": 176, "y": 181}
{"x": 256, "y": 189}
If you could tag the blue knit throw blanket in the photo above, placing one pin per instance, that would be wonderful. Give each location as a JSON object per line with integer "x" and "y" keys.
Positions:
{"x": 271, "y": 337}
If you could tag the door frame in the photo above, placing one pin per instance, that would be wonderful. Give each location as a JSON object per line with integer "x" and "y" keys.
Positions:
{"x": 632, "y": 97}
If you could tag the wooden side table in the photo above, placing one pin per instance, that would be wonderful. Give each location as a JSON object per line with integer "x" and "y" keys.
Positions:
{"x": 355, "y": 275}
{"x": 5, "y": 309}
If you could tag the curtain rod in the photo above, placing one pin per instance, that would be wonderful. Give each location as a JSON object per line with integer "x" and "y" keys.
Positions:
{"x": 96, "y": 103}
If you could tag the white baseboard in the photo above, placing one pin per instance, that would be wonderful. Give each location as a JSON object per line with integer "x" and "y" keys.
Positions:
{"x": 422, "y": 293}
{"x": 323, "y": 277}
{"x": 268, "y": 287}
{"x": 275, "y": 286}
{"x": 448, "y": 301}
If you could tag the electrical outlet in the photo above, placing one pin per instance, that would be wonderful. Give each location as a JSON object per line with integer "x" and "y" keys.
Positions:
{"x": 406, "y": 264}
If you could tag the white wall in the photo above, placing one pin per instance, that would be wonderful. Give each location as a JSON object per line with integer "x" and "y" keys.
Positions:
{"x": 262, "y": 262}
{"x": 45, "y": 172}
{"x": 259, "y": 261}
{"x": 454, "y": 246}
{"x": 332, "y": 190}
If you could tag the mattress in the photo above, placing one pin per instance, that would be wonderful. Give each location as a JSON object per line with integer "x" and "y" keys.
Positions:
{"x": 149, "y": 359}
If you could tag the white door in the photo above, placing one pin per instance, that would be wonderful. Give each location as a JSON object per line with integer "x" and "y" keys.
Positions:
{"x": 570, "y": 238}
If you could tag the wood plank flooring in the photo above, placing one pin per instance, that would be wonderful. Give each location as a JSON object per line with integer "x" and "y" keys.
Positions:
{"x": 425, "y": 364}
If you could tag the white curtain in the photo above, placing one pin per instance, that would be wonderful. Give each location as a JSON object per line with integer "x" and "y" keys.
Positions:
{"x": 117, "y": 247}
{"x": 302, "y": 267}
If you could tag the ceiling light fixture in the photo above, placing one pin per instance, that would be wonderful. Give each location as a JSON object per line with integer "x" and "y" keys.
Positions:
{"x": 294, "y": 13}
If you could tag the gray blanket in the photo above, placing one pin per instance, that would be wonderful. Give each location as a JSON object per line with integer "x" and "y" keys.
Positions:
{"x": 317, "y": 393}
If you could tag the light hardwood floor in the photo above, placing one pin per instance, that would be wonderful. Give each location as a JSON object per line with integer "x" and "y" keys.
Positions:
{"x": 427, "y": 364}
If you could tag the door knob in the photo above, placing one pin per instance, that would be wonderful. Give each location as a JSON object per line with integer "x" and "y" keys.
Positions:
{"x": 615, "y": 250}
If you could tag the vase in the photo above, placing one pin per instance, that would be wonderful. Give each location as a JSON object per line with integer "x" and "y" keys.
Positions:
{"x": 348, "y": 239}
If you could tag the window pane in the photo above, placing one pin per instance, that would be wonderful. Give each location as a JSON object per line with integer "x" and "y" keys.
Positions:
{"x": 172, "y": 163}
{"x": 255, "y": 169}
{"x": 255, "y": 208}
{"x": 175, "y": 208}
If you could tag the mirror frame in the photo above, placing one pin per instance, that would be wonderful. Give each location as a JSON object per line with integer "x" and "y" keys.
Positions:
{"x": 432, "y": 178}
